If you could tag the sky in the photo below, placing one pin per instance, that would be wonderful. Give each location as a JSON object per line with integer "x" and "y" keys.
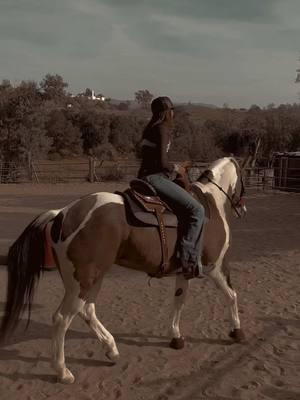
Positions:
{"x": 239, "y": 52}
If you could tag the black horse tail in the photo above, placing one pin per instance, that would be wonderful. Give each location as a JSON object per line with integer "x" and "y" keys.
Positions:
{"x": 24, "y": 264}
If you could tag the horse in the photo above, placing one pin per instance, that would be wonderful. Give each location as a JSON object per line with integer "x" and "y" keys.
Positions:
{"x": 88, "y": 236}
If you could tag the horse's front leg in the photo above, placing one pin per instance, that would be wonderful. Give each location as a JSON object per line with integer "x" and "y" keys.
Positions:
{"x": 181, "y": 290}
{"x": 223, "y": 283}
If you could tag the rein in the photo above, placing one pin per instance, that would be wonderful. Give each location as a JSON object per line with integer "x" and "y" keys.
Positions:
{"x": 226, "y": 194}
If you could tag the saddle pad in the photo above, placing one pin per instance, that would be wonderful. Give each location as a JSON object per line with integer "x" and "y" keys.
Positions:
{"x": 138, "y": 216}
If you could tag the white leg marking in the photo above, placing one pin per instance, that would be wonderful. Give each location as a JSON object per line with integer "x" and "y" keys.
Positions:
{"x": 89, "y": 315}
{"x": 181, "y": 289}
{"x": 62, "y": 319}
{"x": 72, "y": 304}
{"x": 218, "y": 277}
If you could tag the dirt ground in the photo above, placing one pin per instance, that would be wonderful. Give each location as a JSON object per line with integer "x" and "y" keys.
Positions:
{"x": 265, "y": 273}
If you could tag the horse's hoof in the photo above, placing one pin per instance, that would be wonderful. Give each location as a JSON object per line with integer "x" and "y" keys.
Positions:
{"x": 177, "y": 343}
{"x": 112, "y": 356}
{"x": 237, "y": 335}
{"x": 67, "y": 377}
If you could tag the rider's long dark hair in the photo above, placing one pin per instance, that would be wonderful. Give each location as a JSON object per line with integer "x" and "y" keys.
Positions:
{"x": 161, "y": 113}
{"x": 24, "y": 263}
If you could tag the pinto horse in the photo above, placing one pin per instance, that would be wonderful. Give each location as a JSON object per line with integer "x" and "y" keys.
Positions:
{"x": 88, "y": 236}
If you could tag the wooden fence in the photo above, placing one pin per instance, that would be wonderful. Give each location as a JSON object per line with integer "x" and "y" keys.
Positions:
{"x": 91, "y": 170}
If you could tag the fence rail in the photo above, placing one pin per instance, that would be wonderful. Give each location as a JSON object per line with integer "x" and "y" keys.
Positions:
{"x": 99, "y": 171}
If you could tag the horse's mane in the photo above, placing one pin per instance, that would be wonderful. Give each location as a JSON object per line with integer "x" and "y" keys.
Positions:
{"x": 208, "y": 174}
{"x": 232, "y": 159}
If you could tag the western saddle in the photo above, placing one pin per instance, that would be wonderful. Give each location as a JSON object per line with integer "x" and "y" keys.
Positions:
{"x": 145, "y": 208}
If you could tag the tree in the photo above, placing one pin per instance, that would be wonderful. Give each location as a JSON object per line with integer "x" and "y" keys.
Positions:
{"x": 106, "y": 151}
{"x": 95, "y": 129}
{"x": 125, "y": 133}
{"x": 88, "y": 92}
{"x": 5, "y": 84}
{"x": 22, "y": 126}
{"x": 297, "y": 80}
{"x": 298, "y": 75}
{"x": 54, "y": 87}
{"x": 123, "y": 106}
{"x": 66, "y": 138}
{"x": 144, "y": 98}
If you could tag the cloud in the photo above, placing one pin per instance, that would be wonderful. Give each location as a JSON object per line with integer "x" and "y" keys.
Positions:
{"x": 193, "y": 27}
{"x": 240, "y": 10}
{"x": 63, "y": 27}
{"x": 234, "y": 51}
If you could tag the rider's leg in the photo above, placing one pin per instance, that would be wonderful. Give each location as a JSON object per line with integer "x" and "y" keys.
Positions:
{"x": 190, "y": 214}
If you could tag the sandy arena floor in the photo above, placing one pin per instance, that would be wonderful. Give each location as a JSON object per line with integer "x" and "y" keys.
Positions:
{"x": 265, "y": 273}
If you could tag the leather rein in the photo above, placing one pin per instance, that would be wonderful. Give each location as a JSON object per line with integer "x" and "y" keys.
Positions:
{"x": 233, "y": 205}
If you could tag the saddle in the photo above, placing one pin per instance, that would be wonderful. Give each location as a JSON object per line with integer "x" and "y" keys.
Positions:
{"x": 145, "y": 208}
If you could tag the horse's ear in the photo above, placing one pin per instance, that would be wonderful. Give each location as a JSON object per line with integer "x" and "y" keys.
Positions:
{"x": 207, "y": 174}
{"x": 210, "y": 174}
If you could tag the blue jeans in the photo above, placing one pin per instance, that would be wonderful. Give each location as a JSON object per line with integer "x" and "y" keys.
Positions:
{"x": 190, "y": 214}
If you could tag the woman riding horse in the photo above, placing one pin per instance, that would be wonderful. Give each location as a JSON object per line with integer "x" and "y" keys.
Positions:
{"x": 160, "y": 173}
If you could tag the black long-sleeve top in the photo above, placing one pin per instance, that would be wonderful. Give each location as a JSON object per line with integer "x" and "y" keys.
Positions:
{"x": 155, "y": 146}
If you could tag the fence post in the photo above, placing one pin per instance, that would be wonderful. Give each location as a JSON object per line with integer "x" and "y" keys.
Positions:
{"x": 29, "y": 166}
{"x": 91, "y": 169}
{"x": 247, "y": 177}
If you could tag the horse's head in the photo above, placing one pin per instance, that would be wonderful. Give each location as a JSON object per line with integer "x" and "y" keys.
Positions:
{"x": 227, "y": 175}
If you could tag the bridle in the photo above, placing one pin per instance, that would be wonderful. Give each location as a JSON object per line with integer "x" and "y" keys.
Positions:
{"x": 234, "y": 204}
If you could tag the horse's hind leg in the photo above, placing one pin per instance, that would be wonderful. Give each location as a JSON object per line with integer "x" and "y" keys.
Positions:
{"x": 224, "y": 284}
{"x": 88, "y": 314}
{"x": 181, "y": 290}
{"x": 62, "y": 319}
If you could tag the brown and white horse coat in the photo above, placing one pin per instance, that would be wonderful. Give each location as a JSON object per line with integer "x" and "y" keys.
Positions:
{"x": 91, "y": 234}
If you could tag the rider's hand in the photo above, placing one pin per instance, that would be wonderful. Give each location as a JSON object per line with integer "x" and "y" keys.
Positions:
{"x": 180, "y": 169}
{"x": 186, "y": 164}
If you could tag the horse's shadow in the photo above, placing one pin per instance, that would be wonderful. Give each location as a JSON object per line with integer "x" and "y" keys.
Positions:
{"x": 39, "y": 330}
{"x": 10, "y": 355}
{"x": 141, "y": 340}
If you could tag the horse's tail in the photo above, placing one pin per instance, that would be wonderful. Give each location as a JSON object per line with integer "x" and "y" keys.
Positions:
{"x": 24, "y": 263}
